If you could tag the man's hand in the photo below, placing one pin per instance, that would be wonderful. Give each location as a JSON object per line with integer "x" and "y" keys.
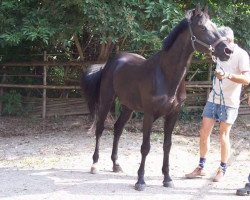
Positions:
{"x": 248, "y": 100}
{"x": 220, "y": 74}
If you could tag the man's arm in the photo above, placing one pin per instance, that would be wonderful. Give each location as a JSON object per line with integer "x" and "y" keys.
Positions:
{"x": 243, "y": 78}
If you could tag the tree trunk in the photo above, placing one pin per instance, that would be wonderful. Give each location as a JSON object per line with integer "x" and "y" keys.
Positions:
{"x": 105, "y": 51}
{"x": 78, "y": 46}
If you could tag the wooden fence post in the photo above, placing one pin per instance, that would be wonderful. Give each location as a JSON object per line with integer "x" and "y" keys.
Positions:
{"x": 1, "y": 93}
{"x": 44, "y": 83}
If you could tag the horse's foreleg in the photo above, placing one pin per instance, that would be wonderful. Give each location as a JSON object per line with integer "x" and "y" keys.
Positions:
{"x": 169, "y": 124}
{"x": 118, "y": 128}
{"x": 145, "y": 148}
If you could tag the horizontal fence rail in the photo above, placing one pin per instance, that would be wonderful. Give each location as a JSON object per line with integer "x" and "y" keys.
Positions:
{"x": 194, "y": 84}
{"x": 197, "y": 91}
{"x": 54, "y": 87}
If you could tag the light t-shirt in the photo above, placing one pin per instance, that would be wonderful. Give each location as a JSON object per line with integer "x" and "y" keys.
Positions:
{"x": 238, "y": 63}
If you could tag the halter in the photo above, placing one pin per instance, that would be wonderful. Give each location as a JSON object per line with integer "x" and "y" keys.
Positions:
{"x": 209, "y": 47}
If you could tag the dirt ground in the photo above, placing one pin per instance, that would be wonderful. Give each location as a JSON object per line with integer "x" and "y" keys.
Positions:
{"x": 51, "y": 159}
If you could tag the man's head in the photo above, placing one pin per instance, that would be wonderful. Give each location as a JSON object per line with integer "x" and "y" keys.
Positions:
{"x": 227, "y": 32}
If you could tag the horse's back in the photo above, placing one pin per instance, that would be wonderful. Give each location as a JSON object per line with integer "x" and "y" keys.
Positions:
{"x": 123, "y": 66}
{"x": 129, "y": 59}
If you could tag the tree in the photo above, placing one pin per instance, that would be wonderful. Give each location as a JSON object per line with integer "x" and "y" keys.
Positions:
{"x": 125, "y": 24}
{"x": 93, "y": 29}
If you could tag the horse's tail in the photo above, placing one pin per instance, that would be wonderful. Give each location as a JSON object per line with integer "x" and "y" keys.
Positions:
{"x": 90, "y": 84}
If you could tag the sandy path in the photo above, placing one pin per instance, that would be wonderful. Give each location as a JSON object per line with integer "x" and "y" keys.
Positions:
{"x": 54, "y": 163}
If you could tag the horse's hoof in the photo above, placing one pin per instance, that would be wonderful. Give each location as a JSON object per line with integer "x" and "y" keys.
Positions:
{"x": 94, "y": 169}
{"x": 140, "y": 187}
{"x": 117, "y": 169}
{"x": 169, "y": 184}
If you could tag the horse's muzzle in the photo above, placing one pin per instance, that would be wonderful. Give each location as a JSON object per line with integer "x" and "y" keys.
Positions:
{"x": 228, "y": 51}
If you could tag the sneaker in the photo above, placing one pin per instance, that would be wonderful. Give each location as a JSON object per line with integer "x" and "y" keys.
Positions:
{"x": 247, "y": 186}
{"x": 244, "y": 191}
{"x": 197, "y": 173}
{"x": 219, "y": 175}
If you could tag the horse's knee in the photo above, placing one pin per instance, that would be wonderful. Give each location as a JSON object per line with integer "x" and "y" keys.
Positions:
{"x": 167, "y": 145}
{"x": 145, "y": 148}
{"x": 95, "y": 156}
{"x": 99, "y": 129}
{"x": 117, "y": 130}
{"x": 114, "y": 157}
{"x": 117, "y": 124}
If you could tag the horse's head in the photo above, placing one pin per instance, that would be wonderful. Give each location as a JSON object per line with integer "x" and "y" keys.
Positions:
{"x": 205, "y": 36}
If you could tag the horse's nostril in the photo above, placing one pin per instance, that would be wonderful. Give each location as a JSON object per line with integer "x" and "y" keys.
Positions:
{"x": 228, "y": 51}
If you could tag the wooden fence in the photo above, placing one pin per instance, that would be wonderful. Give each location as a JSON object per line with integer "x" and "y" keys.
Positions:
{"x": 197, "y": 91}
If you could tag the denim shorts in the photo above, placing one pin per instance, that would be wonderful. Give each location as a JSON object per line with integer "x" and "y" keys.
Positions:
{"x": 220, "y": 113}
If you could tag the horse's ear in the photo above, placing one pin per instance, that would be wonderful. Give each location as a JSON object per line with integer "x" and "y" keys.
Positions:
{"x": 197, "y": 9}
{"x": 205, "y": 9}
{"x": 189, "y": 14}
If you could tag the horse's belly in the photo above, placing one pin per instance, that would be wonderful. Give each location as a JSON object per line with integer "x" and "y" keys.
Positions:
{"x": 165, "y": 107}
{"x": 132, "y": 101}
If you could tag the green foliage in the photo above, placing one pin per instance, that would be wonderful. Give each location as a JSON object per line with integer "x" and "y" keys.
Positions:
{"x": 50, "y": 24}
{"x": 137, "y": 115}
{"x": 29, "y": 27}
{"x": 54, "y": 22}
{"x": 188, "y": 115}
{"x": 12, "y": 103}
{"x": 117, "y": 107}
{"x": 236, "y": 15}
{"x": 184, "y": 114}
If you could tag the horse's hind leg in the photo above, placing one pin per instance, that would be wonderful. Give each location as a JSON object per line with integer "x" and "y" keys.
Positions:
{"x": 118, "y": 128}
{"x": 103, "y": 110}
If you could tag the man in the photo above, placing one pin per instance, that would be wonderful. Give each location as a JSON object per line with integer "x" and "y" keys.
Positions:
{"x": 246, "y": 190}
{"x": 248, "y": 93}
{"x": 222, "y": 104}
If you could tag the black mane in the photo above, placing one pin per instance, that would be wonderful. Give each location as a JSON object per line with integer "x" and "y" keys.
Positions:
{"x": 169, "y": 40}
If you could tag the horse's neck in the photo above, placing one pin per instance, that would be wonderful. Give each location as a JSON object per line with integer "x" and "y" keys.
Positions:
{"x": 176, "y": 60}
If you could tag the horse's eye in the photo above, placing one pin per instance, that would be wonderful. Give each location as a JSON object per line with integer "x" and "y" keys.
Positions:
{"x": 203, "y": 28}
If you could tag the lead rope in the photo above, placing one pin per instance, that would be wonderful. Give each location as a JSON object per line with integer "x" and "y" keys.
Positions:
{"x": 220, "y": 94}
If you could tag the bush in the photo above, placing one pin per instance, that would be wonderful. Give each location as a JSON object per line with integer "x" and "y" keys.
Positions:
{"x": 188, "y": 115}
{"x": 12, "y": 103}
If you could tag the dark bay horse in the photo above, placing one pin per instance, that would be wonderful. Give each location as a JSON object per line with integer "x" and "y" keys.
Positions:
{"x": 154, "y": 86}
